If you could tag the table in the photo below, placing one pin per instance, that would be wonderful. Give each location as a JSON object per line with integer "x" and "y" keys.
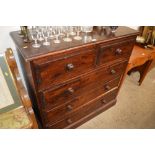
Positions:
{"x": 142, "y": 60}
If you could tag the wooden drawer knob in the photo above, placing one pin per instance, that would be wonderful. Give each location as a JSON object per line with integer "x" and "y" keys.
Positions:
{"x": 118, "y": 51}
{"x": 107, "y": 87}
{"x": 69, "y": 107}
{"x": 112, "y": 71}
{"x": 70, "y": 67}
{"x": 71, "y": 90}
{"x": 69, "y": 121}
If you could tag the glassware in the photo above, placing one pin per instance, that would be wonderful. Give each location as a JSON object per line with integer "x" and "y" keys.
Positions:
{"x": 40, "y": 36}
{"x": 61, "y": 31}
{"x": 57, "y": 34}
{"x": 45, "y": 34}
{"x": 34, "y": 36}
{"x": 51, "y": 32}
{"x": 86, "y": 30}
{"x": 72, "y": 31}
{"x": 67, "y": 38}
{"x": 113, "y": 28}
{"x": 39, "y": 30}
{"x": 78, "y": 30}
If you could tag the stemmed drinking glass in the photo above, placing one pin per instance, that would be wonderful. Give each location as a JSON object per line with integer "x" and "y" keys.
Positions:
{"x": 67, "y": 38}
{"x": 51, "y": 32}
{"x": 87, "y": 29}
{"x": 113, "y": 28}
{"x": 45, "y": 34}
{"x": 78, "y": 30}
{"x": 57, "y": 34}
{"x": 72, "y": 31}
{"x": 35, "y": 37}
{"x": 62, "y": 31}
{"x": 39, "y": 30}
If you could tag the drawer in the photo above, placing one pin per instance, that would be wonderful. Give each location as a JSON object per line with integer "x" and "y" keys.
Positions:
{"x": 68, "y": 92}
{"x": 89, "y": 108}
{"x": 115, "y": 51}
{"x": 64, "y": 68}
{"x": 70, "y": 107}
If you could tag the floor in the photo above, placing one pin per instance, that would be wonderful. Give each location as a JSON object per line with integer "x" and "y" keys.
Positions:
{"x": 135, "y": 107}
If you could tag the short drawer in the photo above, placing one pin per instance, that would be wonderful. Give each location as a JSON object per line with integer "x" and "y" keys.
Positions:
{"x": 64, "y": 68}
{"x": 70, "y": 107}
{"x": 72, "y": 118}
{"x": 115, "y": 51}
{"x": 69, "y": 91}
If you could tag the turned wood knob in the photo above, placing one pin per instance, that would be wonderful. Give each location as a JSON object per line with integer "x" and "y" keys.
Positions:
{"x": 113, "y": 71}
{"x": 107, "y": 87}
{"x": 103, "y": 101}
{"x": 69, "y": 107}
{"x": 69, "y": 121}
{"x": 118, "y": 51}
{"x": 71, "y": 90}
{"x": 70, "y": 67}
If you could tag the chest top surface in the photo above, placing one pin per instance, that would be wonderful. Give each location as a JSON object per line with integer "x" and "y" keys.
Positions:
{"x": 97, "y": 35}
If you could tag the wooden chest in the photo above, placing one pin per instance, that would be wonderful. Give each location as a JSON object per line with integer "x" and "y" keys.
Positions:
{"x": 70, "y": 83}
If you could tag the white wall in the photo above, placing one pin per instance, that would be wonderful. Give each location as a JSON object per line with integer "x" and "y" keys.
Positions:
{"x": 6, "y": 42}
{"x": 5, "y": 39}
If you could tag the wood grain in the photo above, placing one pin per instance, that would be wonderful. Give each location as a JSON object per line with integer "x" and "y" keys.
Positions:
{"x": 72, "y": 82}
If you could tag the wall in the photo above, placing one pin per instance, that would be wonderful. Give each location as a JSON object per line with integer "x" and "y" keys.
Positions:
{"x": 5, "y": 39}
{"x": 6, "y": 42}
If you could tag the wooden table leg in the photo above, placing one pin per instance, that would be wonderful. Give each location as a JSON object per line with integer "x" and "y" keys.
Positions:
{"x": 144, "y": 70}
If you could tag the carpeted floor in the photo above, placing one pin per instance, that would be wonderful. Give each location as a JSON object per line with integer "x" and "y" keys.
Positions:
{"x": 135, "y": 107}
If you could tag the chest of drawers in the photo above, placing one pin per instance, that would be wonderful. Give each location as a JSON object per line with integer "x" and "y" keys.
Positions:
{"x": 71, "y": 83}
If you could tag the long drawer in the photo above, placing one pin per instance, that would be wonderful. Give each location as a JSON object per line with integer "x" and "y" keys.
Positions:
{"x": 63, "y": 68}
{"x": 65, "y": 109}
{"x": 70, "y": 91}
{"x": 72, "y": 118}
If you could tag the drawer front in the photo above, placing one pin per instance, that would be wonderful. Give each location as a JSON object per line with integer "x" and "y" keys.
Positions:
{"x": 115, "y": 51}
{"x": 72, "y": 118}
{"x": 59, "y": 112}
{"x": 68, "y": 92}
{"x": 64, "y": 68}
